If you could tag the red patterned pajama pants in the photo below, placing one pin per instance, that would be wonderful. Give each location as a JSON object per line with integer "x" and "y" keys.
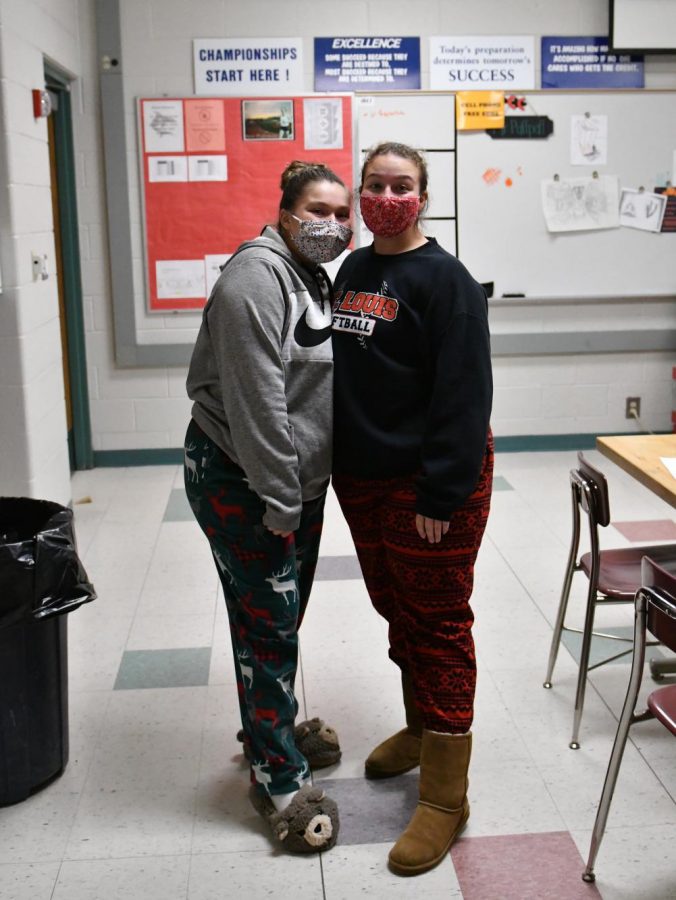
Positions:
{"x": 423, "y": 590}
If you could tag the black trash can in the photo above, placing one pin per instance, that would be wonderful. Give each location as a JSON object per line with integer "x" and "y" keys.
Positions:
{"x": 41, "y": 580}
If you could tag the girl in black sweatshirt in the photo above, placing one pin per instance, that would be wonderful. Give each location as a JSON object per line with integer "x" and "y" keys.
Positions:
{"x": 413, "y": 463}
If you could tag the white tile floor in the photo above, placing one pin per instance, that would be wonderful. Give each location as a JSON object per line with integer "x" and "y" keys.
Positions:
{"x": 153, "y": 803}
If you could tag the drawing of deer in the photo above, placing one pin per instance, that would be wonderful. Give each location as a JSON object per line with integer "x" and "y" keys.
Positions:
{"x": 191, "y": 464}
{"x": 222, "y": 565}
{"x": 284, "y": 681}
{"x": 262, "y": 777}
{"x": 301, "y": 778}
{"x": 247, "y": 671}
{"x": 283, "y": 587}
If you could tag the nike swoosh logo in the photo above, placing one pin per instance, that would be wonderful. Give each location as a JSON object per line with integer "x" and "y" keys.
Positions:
{"x": 305, "y": 336}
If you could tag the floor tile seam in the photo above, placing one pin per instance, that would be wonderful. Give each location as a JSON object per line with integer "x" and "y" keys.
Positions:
{"x": 126, "y": 856}
{"x": 56, "y": 880}
{"x": 144, "y": 582}
{"x": 81, "y": 792}
{"x": 515, "y": 724}
{"x": 527, "y": 591}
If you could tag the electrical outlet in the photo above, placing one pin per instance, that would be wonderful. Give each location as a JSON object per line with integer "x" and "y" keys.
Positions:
{"x": 632, "y": 408}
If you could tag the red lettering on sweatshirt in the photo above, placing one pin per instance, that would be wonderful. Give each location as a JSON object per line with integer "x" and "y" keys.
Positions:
{"x": 375, "y": 305}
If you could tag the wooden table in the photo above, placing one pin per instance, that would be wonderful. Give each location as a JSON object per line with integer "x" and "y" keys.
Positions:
{"x": 639, "y": 455}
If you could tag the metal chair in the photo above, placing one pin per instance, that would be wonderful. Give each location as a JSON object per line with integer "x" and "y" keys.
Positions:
{"x": 614, "y": 576}
{"x": 656, "y": 613}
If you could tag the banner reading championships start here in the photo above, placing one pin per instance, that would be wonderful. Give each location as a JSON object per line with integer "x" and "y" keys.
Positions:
{"x": 248, "y": 66}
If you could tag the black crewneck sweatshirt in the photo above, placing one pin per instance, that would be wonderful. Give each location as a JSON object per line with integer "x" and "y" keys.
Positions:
{"x": 412, "y": 373}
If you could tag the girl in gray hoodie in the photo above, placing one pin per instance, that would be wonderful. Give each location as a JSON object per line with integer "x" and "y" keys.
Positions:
{"x": 257, "y": 466}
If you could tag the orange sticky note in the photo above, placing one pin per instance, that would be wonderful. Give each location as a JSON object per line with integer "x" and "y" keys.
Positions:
{"x": 479, "y": 109}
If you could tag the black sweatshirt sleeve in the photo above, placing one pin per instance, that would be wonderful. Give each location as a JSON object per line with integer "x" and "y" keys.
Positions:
{"x": 456, "y": 428}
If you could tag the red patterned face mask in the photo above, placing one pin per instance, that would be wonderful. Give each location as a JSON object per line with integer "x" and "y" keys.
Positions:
{"x": 388, "y": 216}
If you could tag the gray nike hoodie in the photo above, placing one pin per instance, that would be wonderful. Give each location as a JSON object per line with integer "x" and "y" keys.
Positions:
{"x": 261, "y": 375}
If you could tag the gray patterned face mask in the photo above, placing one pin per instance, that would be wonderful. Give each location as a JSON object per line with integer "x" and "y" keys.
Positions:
{"x": 320, "y": 240}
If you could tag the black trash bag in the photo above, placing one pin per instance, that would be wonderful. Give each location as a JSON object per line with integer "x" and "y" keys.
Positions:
{"x": 40, "y": 572}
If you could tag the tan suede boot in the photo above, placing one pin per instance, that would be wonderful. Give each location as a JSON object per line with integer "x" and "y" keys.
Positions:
{"x": 442, "y": 809}
{"x": 401, "y": 752}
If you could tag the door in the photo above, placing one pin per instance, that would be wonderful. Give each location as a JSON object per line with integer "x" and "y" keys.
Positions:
{"x": 67, "y": 264}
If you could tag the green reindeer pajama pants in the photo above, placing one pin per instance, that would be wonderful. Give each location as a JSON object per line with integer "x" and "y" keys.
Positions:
{"x": 266, "y": 581}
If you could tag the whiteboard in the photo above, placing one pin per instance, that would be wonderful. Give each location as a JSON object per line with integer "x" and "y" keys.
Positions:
{"x": 501, "y": 229}
{"x": 425, "y": 121}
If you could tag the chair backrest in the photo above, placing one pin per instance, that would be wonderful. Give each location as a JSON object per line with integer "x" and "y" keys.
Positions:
{"x": 658, "y": 585}
{"x": 593, "y": 491}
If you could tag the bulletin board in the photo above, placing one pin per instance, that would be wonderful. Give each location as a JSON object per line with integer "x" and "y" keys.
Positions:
{"x": 211, "y": 169}
{"x": 502, "y": 234}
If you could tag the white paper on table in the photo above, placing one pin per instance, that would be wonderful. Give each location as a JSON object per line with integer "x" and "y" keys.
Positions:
{"x": 589, "y": 140}
{"x": 208, "y": 168}
{"x": 642, "y": 209}
{"x": 167, "y": 168}
{"x": 212, "y": 265}
{"x": 180, "y": 278}
{"x": 670, "y": 463}
{"x": 673, "y": 169}
{"x": 581, "y": 204}
{"x": 163, "y": 126}
{"x": 323, "y": 123}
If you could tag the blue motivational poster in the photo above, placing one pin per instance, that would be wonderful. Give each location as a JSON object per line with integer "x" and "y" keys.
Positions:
{"x": 367, "y": 64}
{"x": 586, "y": 62}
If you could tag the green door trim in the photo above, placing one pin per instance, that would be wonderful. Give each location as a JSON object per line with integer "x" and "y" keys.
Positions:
{"x": 83, "y": 452}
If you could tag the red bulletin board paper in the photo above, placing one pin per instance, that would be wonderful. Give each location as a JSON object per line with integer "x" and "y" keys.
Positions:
{"x": 189, "y": 220}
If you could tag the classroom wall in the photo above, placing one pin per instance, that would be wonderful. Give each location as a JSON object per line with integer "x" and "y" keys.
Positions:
{"x": 33, "y": 438}
{"x": 147, "y": 408}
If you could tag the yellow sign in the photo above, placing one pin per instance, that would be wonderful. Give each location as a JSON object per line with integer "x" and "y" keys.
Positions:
{"x": 479, "y": 109}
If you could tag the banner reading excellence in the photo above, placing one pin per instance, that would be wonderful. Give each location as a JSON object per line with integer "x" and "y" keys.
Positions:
{"x": 367, "y": 64}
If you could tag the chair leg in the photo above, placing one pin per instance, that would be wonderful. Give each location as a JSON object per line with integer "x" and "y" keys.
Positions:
{"x": 571, "y": 567}
{"x": 558, "y": 625}
{"x": 626, "y": 718}
{"x": 584, "y": 664}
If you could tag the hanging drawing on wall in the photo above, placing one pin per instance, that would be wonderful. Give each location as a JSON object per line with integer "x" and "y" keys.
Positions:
{"x": 581, "y": 204}
{"x": 210, "y": 175}
{"x": 589, "y": 140}
{"x": 642, "y": 209}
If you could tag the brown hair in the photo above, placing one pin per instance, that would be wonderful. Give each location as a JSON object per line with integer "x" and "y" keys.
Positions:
{"x": 402, "y": 150}
{"x": 297, "y": 176}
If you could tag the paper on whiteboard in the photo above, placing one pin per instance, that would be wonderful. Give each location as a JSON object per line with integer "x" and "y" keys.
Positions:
{"x": 212, "y": 264}
{"x": 167, "y": 168}
{"x": 163, "y": 126}
{"x": 581, "y": 204}
{"x": 642, "y": 209}
{"x": 323, "y": 124}
{"x": 180, "y": 278}
{"x": 589, "y": 140}
{"x": 208, "y": 168}
{"x": 670, "y": 463}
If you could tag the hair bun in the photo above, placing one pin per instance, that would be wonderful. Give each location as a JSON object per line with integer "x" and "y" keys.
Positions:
{"x": 295, "y": 168}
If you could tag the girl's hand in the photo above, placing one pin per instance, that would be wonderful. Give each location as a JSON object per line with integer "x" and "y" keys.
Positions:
{"x": 431, "y": 529}
{"x": 279, "y": 533}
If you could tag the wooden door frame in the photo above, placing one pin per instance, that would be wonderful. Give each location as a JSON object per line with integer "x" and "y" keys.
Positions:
{"x": 82, "y": 454}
